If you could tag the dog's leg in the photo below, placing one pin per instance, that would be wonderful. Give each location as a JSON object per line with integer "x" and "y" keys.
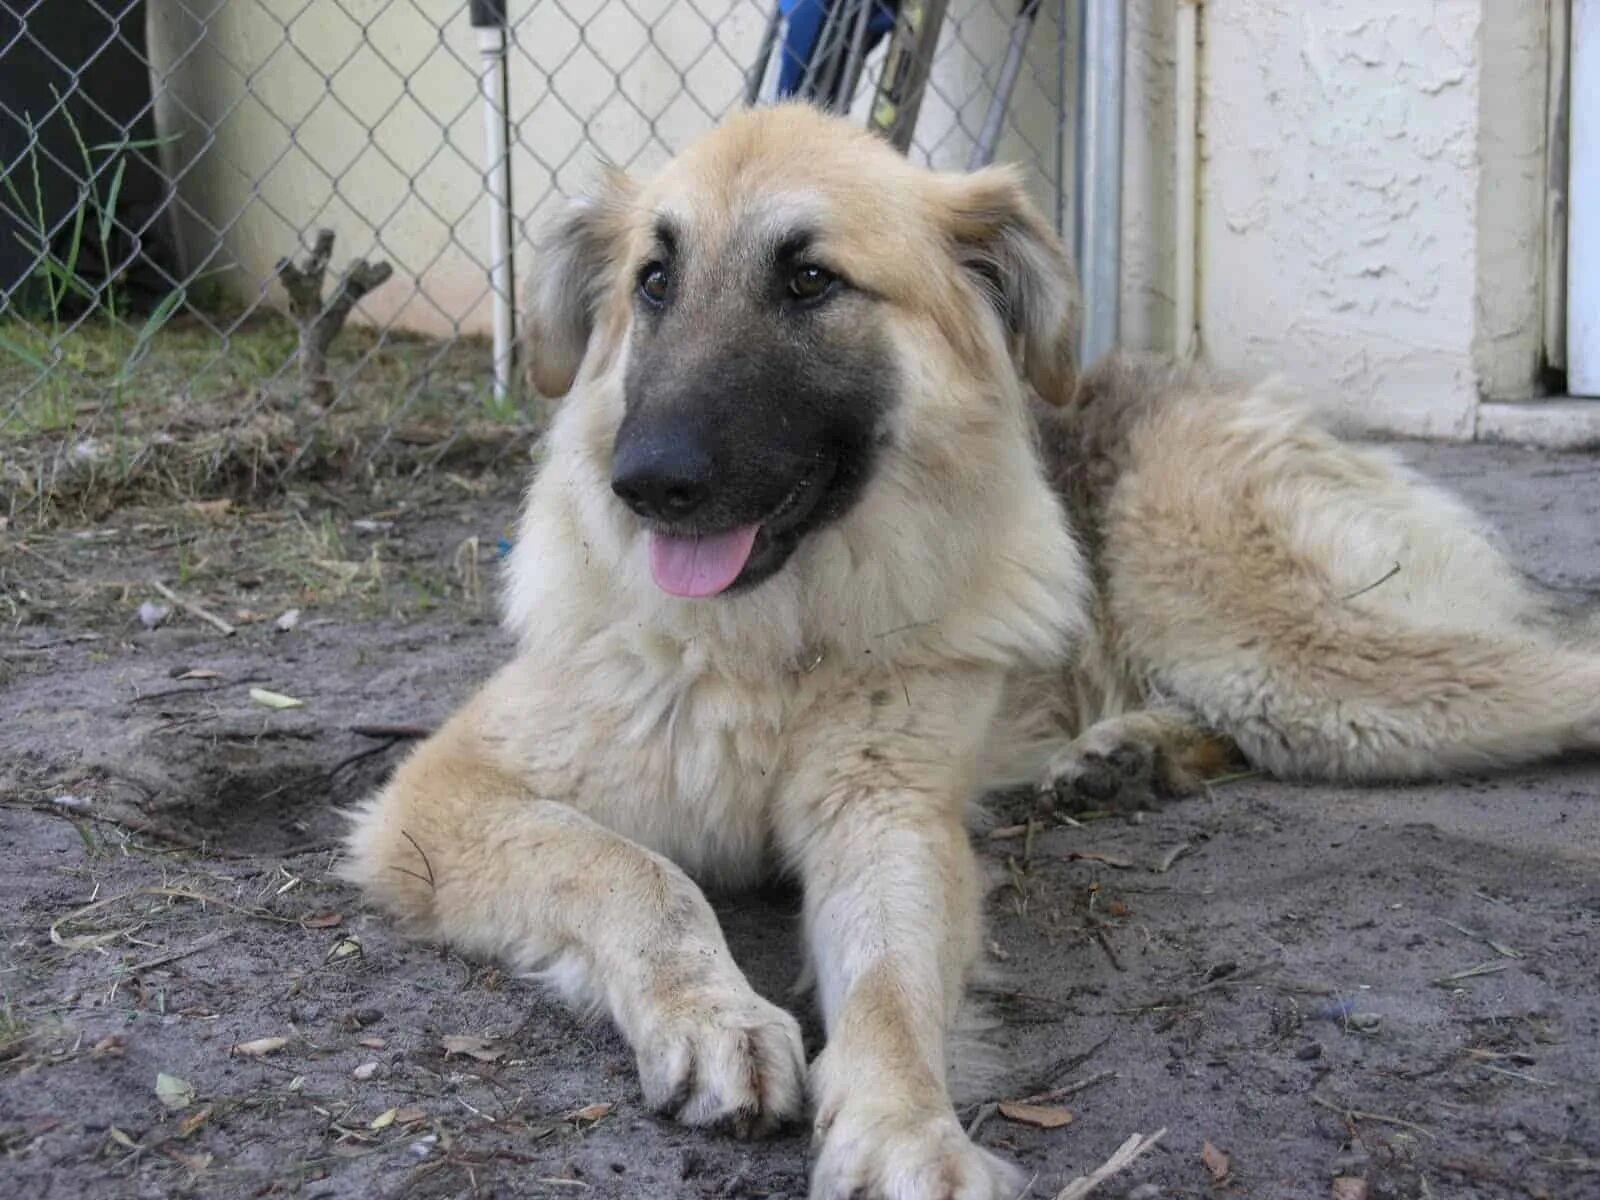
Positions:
{"x": 892, "y": 917}
{"x": 1136, "y": 761}
{"x": 463, "y": 854}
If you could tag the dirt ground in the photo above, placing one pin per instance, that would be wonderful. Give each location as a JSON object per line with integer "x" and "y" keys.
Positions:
{"x": 1398, "y": 986}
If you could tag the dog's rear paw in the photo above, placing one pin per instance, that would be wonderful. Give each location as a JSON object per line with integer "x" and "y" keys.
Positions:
{"x": 1107, "y": 770}
{"x": 724, "y": 1058}
{"x": 890, "y": 1155}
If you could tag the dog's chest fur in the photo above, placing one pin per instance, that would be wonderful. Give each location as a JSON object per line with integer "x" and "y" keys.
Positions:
{"x": 637, "y": 731}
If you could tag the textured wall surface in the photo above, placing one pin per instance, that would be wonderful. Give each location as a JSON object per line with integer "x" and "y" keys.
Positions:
{"x": 1370, "y": 213}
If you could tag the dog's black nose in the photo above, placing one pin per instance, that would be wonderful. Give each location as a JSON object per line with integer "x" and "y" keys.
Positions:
{"x": 665, "y": 480}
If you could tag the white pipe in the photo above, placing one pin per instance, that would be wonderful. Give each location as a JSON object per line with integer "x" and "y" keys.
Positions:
{"x": 1555, "y": 191}
{"x": 1098, "y": 241}
{"x": 1583, "y": 204}
{"x": 1186, "y": 185}
{"x": 497, "y": 173}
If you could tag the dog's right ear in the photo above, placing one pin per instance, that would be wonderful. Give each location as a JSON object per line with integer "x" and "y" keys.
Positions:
{"x": 574, "y": 262}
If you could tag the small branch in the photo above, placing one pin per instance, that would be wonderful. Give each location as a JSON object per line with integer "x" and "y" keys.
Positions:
{"x": 1392, "y": 572}
{"x": 1070, "y": 1089}
{"x": 426, "y": 865}
{"x": 391, "y": 731}
{"x": 1131, "y": 1149}
{"x": 320, "y": 324}
{"x": 360, "y": 756}
{"x": 161, "y": 960}
{"x": 1356, "y": 1114}
{"x": 194, "y": 610}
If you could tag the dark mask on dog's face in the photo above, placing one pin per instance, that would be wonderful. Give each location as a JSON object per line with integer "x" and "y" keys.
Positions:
{"x": 757, "y": 392}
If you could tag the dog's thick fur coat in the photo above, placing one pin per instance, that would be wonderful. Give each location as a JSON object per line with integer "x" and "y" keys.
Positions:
{"x": 1111, "y": 583}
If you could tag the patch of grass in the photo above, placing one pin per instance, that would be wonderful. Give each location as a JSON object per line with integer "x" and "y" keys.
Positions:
{"x": 93, "y": 233}
{"x": 211, "y": 409}
{"x": 15, "y": 1033}
{"x": 391, "y": 548}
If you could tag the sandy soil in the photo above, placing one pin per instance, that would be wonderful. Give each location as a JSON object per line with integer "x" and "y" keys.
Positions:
{"x": 1396, "y": 986}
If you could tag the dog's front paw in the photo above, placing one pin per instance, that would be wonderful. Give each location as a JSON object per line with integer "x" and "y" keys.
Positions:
{"x": 891, "y": 1154}
{"x": 723, "y": 1057}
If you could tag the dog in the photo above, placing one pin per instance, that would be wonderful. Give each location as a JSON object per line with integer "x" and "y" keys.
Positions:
{"x": 829, "y": 538}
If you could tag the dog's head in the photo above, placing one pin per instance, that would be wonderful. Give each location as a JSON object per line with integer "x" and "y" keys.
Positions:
{"x": 758, "y": 317}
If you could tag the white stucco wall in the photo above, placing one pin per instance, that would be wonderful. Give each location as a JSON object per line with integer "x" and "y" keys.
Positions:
{"x": 1370, "y": 201}
{"x": 1370, "y": 192}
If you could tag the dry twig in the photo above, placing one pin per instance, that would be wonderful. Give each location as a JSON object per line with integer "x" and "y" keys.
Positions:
{"x": 1356, "y": 1114}
{"x": 193, "y": 609}
{"x": 1131, "y": 1149}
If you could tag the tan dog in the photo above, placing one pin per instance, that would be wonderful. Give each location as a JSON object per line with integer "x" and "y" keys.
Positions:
{"x": 793, "y": 584}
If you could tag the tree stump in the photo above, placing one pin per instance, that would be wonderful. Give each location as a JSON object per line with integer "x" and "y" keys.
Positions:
{"x": 319, "y": 324}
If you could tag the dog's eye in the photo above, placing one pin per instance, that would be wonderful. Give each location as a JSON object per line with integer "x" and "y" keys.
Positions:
{"x": 811, "y": 282}
{"x": 654, "y": 282}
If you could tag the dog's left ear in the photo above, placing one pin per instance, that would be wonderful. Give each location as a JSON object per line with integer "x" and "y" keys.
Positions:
{"x": 575, "y": 259}
{"x": 1001, "y": 237}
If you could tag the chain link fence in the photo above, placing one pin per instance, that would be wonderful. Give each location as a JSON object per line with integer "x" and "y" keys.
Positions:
{"x": 193, "y": 191}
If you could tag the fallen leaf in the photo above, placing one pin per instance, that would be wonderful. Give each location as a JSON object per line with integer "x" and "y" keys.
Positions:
{"x": 1110, "y": 860}
{"x": 112, "y": 1044}
{"x": 177, "y": 1094}
{"x": 210, "y": 508}
{"x": 1349, "y": 1187}
{"x": 86, "y": 941}
{"x": 409, "y": 1116}
{"x": 372, "y": 1043}
{"x": 1216, "y": 1162}
{"x": 383, "y": 1120}
{"x": 274, "y": 699}
{"x": 199, "y": 673}
{"x": 323, "y": 920}
{"x": 193, "y": 1121}
{"x": 1172, "y": 856}
{"x": 589, "y": 1112}
{"x": 121, "y": 1138}
{"x": 345, "y": 947}
{"x": 473, "y": 1046}
{"x": 196, "y": 1163}
{"x": 1007, "y": 831}
{"x": 261, "y": 1046}
{"x": 1118, "y": 909}
{"x": 1045, "y": 1116}
{"x": 248, "y": 616}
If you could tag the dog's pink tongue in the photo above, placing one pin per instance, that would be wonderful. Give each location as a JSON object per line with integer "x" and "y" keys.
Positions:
{"x": 700, "y": 566}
